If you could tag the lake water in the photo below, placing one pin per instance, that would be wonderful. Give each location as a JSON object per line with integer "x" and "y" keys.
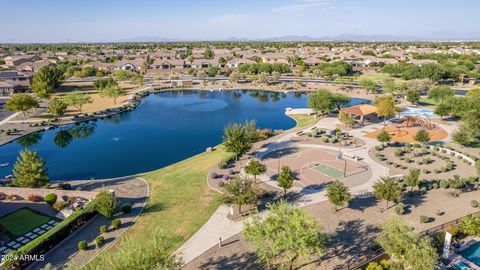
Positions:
{"x": 165, "y": 128}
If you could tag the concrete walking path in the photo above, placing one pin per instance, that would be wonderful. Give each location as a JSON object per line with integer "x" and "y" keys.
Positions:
{"x": 219, "y": 226}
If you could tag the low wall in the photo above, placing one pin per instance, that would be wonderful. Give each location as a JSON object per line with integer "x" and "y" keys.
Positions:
{"x": 25, "y": 192}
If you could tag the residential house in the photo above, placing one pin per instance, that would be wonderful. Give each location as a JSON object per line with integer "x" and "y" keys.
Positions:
{"x": 168, "y": 64}
{"x": 420, "y": 62}
{"x": 15, "y": 60}
{"x": 131, "y": 65}
{"x": 234, "y": 63}
{"x": 204, "y": 63}
{"x": 275, "y": 58}
{"x": 15, "y": 81}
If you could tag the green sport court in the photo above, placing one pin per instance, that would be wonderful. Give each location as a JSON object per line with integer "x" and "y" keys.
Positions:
{"x": 327, "y": 170}
{"x": 22, "y": 221}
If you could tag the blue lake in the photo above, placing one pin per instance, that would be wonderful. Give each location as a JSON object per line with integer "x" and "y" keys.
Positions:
{"x": 165, "y": 128}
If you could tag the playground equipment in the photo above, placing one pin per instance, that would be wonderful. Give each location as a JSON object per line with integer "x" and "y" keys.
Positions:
{"x": 417, "y": 121}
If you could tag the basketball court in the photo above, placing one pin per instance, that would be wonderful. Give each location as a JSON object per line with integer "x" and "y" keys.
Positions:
{"x": 313, "y": 166}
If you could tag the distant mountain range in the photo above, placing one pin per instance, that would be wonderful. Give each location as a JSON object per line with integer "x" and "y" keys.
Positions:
{"x": 437, "y": 36}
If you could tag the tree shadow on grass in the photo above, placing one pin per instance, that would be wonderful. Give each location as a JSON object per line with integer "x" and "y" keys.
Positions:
{"x": 155, "y": 207}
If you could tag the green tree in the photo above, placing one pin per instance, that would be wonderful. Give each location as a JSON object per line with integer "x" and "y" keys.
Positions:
{"x": 469, "y": 129}
{"x": 338, "y": 194}
{"x": 385, "y": 107}
{"x": 113, "y": 91}
{"x": 422, "y": 136}
{"x": 470, "y": 225}
{"x": 321, "y": 101}
{"x": 77, "y": 99}
{"x": 57, "y": 107}
{"x": 346, "y": 119}
{"x": 235, "y": 139}
{"x": 255, "y": 167}
{"x": 208, "y": 53}
{"x": 30, "y": 170}
{"x": 387, "y": 189}
{"x": 102, "y": 83}
{"x": 285, "y": 179}
{"x": 285, "y": 236}
{"x": 440, "y": 93}
{"x": 413, "y": 96}
{"x": 406, "y": 247}
{"x": 104, "y": 203}
{"x": 21, "y": 103}
{"x": 212, "y": 71}
{"x": 45, "y": 80}
{"x": 340, "y": 100}
{"x": 384, "y": 137}
{"x": 239, "y": 192}
{"x": 442, "y": 110}
{"x": 412, "y": 179}
{"x": 368, "y": 85}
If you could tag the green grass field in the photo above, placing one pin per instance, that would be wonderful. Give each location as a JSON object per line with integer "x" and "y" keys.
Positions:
{"x": 303, "y": 120}
{"x": 327, "y": 170}
{"x": 379, "y": 77}
{"x": 180, "y": 202}
{"x": 22, "y": 221}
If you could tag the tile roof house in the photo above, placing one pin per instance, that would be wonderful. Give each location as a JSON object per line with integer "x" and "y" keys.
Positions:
{"x": 204, "y": 63}
{"x": 234, "y": 63}
{"x": 133, "y": 65}
{"x": 168, "y": 64}
{"x": 18, "y": 81}
{"x": 275, "y": 58}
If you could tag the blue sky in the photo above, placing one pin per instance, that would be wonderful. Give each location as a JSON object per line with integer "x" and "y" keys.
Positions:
{"x": 113, "y": 20}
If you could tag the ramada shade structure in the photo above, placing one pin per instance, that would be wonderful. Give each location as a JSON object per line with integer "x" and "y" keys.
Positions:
{"x": 362, "y": 111}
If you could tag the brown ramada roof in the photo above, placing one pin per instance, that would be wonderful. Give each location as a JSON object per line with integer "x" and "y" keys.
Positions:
{"x": 362, "y": 109}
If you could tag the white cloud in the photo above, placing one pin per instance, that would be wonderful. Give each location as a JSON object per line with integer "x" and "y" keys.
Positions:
{"x": 304, "y": 4}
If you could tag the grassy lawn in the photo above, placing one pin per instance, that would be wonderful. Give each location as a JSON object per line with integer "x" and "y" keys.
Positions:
{"x": 22, "y": 221}
{"x": 379, "y": 77}
{"x": 303, "y": 120}
{"x": 180, "y": 202}
{"x": 425, "y": 101}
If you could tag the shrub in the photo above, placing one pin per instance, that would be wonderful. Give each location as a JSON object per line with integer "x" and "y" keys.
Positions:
{"x": 424, "y": 219}
{"x": 444, "y": 184}
{"x": 398, "y": 152}
{"x": 426, "y": 160}
{"x": 436, "y": 148}
{"x": 474, "y": 203}
{"x": 452, "y": 154}
{"x": 449, "y": 166}
{"x": 434, "y": 186}
{"x": 213, "y": 175}
{"x": 400, "y": 209}
{"x": 378, "y": 148}
{"x": 103, "y": 229}
{"x": 332, "y": 140}
{"x": 126, "y": 208}
{"x": 325, "y": 139}
{"x": 444, "y": 151}
{"x": 439, "y": 213}
{"x": 82, "y": 245}
{"x": 104, "y": 203}
{"x": 58, "y": 206}
{"x": 223, "y": 164}
{"x": 99, "y": 240}
{"x": 116, "y": 224}
{"x": 314, "y": 133}
{"x": 50, "y": 198}
{"x": 408, "y": 160}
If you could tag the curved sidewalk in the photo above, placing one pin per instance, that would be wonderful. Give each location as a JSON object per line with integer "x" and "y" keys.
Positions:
{"x": 219, "y": 226}
{"x": 130, "y": 189}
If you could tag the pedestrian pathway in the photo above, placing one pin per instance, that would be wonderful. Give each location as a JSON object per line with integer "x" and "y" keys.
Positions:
{"x": 131, "y": 190}
{"x": 219, "y": 226}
